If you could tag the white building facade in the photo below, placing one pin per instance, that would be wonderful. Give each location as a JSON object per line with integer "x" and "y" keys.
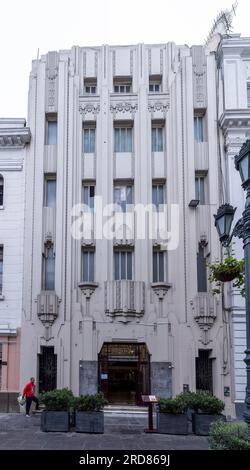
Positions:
{"x": 14, "y": 138}
{"x": 127, "y": 315}
{"x": 234, "y": 120}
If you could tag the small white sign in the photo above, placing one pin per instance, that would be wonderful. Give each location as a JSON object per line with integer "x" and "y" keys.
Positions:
{"x": 104, "y": 376}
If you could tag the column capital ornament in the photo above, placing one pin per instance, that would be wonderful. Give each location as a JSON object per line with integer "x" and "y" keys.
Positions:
{"x": 160, "y": 289}
{"x": 88, "y": 288}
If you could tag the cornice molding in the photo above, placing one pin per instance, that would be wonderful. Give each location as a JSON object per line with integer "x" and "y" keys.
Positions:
{"x": 235, "y": 118}
{"x": 14, "y": 137}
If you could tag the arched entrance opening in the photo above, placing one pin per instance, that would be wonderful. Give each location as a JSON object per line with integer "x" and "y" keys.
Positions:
{"x": 124, "y": 372}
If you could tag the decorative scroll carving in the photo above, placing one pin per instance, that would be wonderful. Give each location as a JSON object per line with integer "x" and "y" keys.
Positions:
{"x": 159, "y": 106}
{"x": 89, "y": 108}
{"x": 124, "y": 108}
{"x": 205, "y": 308}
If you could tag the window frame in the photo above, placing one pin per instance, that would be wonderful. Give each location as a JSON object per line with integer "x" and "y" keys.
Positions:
{"x": 199, "y": 130}
{"x": 91, "y": 199}
{"x": 118, "y": 252}
{"x": 88, "y": 251}
{"x": 1, "y": 191}
{"x": 155, "y": 80}
{"x": 159, "y": 253}
{"x": 49, "y": 249}
{"x": 1, "y": 268}
{"x": 89, "y": 148}
{"x": 248, "y": 95}
{"x": 48, "y": 178}
{"x": 122, "y": 82}
{"x": 123, "y": 186}
{"x": 157, "y": 144}
{"x": 92, "y": 84}
{"x": 50, "y": 118}
{"x": 199, "y": 191}
{"x": 157, "y": 185}
{"x": 202, "y": 276}
{"x": 128, "y": 142}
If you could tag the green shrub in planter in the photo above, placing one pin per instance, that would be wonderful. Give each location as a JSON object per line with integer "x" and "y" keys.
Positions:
{"x": 89, "y": 417}
{"x": 204, "y": 402}
{"x": 90, "y": 402}
{"x": 58, "y": 400}
{"x": 171, "y": 416}
{"x": 228, "y": 436}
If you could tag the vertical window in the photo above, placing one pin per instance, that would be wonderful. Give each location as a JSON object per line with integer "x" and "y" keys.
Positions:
{"x": 199, "y": 128}
{"x": 50, "y": 191}
{"x": 248, "y": 96}
{"x": 122, "y": 85}
{"x": 49, "y": 269}
{"x": 1, "y": 190}
{"x": 158, "y": 266}
{"x": 88, "y": 195}
{"x": 90, "y": 85}
{"x": 51, "y": 131}
{"x": 200, "y": 189}
{"x": 123, "y": 265}
{"x": 1, "y": 269}
{"x": 201, "y": 271}
{"x": 89, "y": 139}
{"x": 157, "y": 138}
{"x": 123, "y": 196}
{"x": 157, "y": 195}
{"x": 123, "y": 139}
{"x": 88, "y": 257}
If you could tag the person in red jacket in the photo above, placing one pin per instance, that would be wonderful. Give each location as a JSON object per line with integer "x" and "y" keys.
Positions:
{"x": 29, "y": 394}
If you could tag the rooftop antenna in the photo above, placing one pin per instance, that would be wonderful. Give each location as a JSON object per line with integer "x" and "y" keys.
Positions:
{"x": 223, "y": 23}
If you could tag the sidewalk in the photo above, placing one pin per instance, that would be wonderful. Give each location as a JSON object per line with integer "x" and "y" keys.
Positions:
{"x": 122, "y": 432}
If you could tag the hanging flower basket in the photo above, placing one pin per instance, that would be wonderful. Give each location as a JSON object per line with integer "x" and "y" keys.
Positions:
{"x": 227, "y": 275}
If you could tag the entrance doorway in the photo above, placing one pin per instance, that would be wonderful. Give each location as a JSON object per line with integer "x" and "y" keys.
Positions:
{"x": 47, "y": 369}
{"x": 124, "y": 372}
{"x": 204, "y": 371}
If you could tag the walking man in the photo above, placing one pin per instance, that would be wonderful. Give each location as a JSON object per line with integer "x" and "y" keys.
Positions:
{"x": 29, "y": 394}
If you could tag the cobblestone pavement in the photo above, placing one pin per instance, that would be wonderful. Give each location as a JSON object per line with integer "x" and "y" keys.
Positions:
{"x": 122, "y": 432}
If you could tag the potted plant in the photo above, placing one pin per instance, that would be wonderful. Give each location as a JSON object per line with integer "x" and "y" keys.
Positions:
{"x": 207, "y": 409}
{"x": 230, "y": 269}
{"x": 89, "y": 416}
{"x": 56, "y": 416}
{"x": 171, "y": 416}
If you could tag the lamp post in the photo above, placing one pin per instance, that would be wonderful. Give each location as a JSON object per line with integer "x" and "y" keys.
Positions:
{"x": 223, "y": 223}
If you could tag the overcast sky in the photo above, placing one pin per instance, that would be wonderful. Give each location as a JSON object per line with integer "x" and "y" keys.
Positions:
{"x": 29, "y": 25}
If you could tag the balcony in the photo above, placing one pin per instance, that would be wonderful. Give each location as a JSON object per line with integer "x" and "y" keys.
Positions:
{"x": 125, "y": 300}
{"x": 47, "y": 307}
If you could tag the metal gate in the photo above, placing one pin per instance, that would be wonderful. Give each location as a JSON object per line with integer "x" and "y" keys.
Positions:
{"x": 204, "y": 371}
{"x": 47, "y": 369}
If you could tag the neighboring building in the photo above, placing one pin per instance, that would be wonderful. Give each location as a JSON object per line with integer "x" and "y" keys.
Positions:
{"x": 234, "y": 117}
{"x": 134, "y": 125}
{"x": 14, "y": 135}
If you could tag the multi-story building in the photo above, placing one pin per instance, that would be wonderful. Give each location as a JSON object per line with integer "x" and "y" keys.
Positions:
{"x": 233, "y": 58}
{"x": 14, "y": 136}
{"x": 125, "y": 314}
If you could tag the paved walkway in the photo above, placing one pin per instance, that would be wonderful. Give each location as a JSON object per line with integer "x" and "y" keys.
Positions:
{"x": 122, "y": 432}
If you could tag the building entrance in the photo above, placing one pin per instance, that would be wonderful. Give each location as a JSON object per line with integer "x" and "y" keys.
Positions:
{"x": 124, "y": 372}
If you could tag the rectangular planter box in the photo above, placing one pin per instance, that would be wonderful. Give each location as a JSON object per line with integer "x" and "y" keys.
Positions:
{"x": 168, "y": 423}
{"x": 201, "y": 422}
{"x": 89, "y": 421}
{"x": 55, "y": 421}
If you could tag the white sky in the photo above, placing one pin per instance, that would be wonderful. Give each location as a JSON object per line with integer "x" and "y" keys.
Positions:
{"x": 27, "y": 25}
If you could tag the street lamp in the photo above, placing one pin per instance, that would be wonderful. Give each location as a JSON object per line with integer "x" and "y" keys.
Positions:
{"x": 223, "y": 223}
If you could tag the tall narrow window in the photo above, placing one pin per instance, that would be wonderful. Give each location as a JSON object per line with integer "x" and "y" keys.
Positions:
{"x": 201, "y": 271}
{"x": 49, "y": 268}
{"x": 1, "y": 358}
{"x": 1, "y": 190}
{"x": 199, "y": 128}
{"x": 248, "y": 95}
{"x": 50, "y": 191}
{"x": 123, "y": 196}
{"x": 200, "y": 189}
{"x": 157, "y": 138}
{"x": 158, "y": 195}
{"x": 89, "y": 139}
{"x": 88, "y": 195}
{"x": 88, "y": 257}
{"x": 123, "y": 265}
{"x": 51, "y": 131}
{"x": 1, "y": 269}
{"x": 158, "y": 266}
{"x": 123, "y": 138}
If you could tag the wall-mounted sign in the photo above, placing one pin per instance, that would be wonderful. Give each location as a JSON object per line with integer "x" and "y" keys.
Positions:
{"x": 104, "y": 376}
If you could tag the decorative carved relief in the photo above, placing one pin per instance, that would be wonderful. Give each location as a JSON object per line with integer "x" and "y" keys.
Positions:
{"x": 205, "y": 307}
{"x": 88, "y": 288}
{"x": 233, "y": 144}
{"x": 124, "y": 300}
{"x": 89, "y": 108}
{"x": 124, "y": 108}
{"x": 47, "y": 307}
{"x": 199, "y": 77}
{"x": 159, "y": 106}
{"x": 160, "y": 289}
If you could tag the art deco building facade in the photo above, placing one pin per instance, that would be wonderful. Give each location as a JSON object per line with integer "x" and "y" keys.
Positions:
{"x": 126, "y": 315}
{"x": 14, "y": 138}
{"x": 233, "y": 58}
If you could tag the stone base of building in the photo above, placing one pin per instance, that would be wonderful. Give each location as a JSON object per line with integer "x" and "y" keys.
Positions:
{"x": 8, "y": 402}
{"x": 161, "y": 379}
{"x": 88, "y": 377}
{"x": 239, "y": 409}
